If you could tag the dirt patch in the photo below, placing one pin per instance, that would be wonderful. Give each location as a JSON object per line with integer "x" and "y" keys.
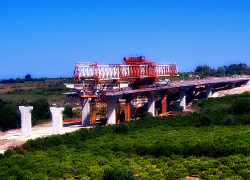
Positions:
{"x": 13, "y": 138}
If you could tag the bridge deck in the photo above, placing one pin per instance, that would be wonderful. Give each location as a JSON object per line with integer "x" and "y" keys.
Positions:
{"x": 184, "y": 84}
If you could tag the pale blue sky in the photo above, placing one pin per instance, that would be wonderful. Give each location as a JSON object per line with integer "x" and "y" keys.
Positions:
{"x": 45, "y": 38}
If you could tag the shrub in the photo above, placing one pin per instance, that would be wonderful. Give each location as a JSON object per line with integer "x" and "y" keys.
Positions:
{"x": 247, "y": 118}
{"x": 10, "y": 116}
{"x": 241, "y": 105}
{"x": 175, "y": 107}
{"x": 229, "y": 120}
{"x": 68, "y": 112}
{"x": 1, "y": 156}
{"x": 205, "y": 120}
{"x": 146, "y": 114}
{"x": 245, "y": 173}
{"x": 8, "y": 153}
{"x": 118, "y": 174}
{"x": 122, "y": 128}
{"x": 40, "y": 176}
{"x": 40, "y": 109}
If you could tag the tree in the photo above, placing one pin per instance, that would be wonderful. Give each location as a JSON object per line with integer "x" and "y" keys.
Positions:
{"x": 241, "y": 105}
{"x": 68, "y": 112}
{"x": 40, "y": 109}
{"x": 9, "y": 116}
{"x": 204, "y": 71}
{"x": 118, "y": 174}
{"x": 28, "y": 77}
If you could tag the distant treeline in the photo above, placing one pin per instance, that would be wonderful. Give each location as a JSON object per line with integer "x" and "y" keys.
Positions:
{"x": 201, "y": 71}
{"x": 233, "y": 69}
{"x": 28, "y": 78}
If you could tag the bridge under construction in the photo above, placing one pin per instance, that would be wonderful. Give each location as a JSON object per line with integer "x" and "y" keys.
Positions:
{"x": 116, "y": 93}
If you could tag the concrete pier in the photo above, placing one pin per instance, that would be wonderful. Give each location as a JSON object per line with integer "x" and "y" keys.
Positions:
{"x": 183, "y": 98}
{"x": 26, "y": 120}
{"x": 209, "y": 92}
{"x": 151, "y": 103}
{"x": 57, "y": 120}
{"x": 85, "y": 111}
{"x": 111, "y": 114}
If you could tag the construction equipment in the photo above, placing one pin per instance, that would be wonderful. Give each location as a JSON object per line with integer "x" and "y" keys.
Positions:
{"x": 98, "y": 79}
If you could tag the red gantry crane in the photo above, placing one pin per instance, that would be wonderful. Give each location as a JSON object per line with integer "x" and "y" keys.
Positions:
{"x": 97, "y": 79}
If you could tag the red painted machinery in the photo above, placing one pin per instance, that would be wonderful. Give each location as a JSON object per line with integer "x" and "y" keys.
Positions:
{"x": 100, "y": 78}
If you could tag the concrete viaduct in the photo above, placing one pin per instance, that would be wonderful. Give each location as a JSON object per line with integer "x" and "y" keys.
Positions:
{"x": 210, "y": 85}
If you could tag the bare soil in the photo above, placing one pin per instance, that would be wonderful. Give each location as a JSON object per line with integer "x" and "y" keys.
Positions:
{"x": 13, "y": 138}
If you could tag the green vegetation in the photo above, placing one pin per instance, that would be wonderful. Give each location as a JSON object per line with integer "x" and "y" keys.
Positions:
{"x": 9, "y": 116}
{"x": 206, "y": 71}
{"x": 233, "y": 69}
{"x": 68, "y": 112}
{"x": 28, "y": 89}
{"x": 28, "y": 78}
{"x": 40, "y": 112}
{"x": 172, "y": 147}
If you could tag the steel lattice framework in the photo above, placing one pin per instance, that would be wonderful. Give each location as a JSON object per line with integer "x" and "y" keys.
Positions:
{"x": 127, "y": 70}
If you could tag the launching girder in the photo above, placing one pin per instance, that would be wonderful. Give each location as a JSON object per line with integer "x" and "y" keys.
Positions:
{"x": 123, "y": 71}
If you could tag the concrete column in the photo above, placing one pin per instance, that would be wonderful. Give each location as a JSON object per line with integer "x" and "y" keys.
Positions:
{"x": 111, "y": 115}
{"x": 57, "y": 120}
{"x": 209, "y": 91}
{"x": 85, "y": 111}
{"x": 183, "y": 98}
{"x": 26, "y": 120}
{"x": 151, "y": 103}
{"x": 248, "y": 83}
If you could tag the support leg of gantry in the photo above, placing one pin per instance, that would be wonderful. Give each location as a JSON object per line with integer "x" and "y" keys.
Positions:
{"x": 57, "y": 120}
{"x": 111, "y": 114}
{"x": 182, "y": 92}
{"x": 26, "y": 120}
{"x": 151, "y": 103}
{"x": 209, "y": 91}
{"x": 164, "y": 105}
{"x": 93, "y": 111}
{"x": 117, "y": 111}
{"x": 127, "y": 109}
{"x": 85, "y": 111}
